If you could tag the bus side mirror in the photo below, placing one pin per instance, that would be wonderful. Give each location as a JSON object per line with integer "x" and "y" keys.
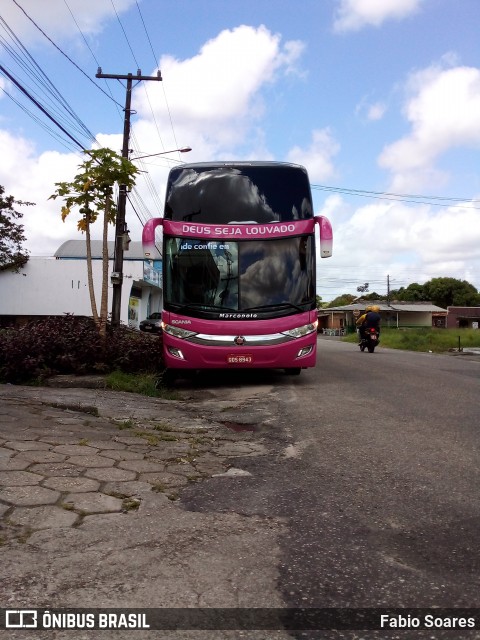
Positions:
{"x": 326, "y": 236}
{"x": 148, "y": 236}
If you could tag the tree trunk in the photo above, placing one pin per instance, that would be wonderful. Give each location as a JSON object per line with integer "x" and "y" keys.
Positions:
{"x": 91, "y": 288}
{"x": 104, "y": 298}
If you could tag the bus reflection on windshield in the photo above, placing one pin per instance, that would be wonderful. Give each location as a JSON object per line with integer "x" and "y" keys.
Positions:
{"x": 239, "y": 275}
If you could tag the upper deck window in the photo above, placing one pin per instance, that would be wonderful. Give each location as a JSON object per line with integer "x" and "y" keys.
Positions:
{"x": 238, "y": 193}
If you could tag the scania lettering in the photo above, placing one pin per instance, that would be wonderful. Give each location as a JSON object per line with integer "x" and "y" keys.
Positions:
{"x": 239, "y": 266}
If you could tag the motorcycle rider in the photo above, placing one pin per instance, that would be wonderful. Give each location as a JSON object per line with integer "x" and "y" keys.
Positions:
{"x": 370, "y": 319}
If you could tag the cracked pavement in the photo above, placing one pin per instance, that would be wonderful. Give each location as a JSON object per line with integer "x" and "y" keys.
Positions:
{"x": 89, "y": 511}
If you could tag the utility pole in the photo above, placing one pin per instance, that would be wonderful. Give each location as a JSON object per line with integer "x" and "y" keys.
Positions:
{"x": 120, "y": 224}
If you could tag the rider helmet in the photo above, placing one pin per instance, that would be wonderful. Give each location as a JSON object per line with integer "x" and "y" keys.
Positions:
{"x": 375, "y": 308}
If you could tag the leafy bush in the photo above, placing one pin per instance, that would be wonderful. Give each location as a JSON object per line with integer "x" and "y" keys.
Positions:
{"x": 63, "y": 345}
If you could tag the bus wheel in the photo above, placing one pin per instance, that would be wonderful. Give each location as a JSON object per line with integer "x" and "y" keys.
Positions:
{"x": 294, "y": 371}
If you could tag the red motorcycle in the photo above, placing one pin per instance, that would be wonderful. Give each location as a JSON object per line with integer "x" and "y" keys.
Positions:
{"x": 370, "y": 339}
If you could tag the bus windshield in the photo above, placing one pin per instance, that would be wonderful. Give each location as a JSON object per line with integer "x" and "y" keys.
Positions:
{"x": 238, "y": 193}
{"x": 267, "y": 276}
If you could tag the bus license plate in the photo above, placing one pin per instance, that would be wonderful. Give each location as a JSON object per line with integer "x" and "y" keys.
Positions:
{"x": 240, "y": 358}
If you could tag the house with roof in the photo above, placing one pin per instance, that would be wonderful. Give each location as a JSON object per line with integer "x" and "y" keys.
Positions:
{"x": 57, "y": 285}
{"x": 394, "y": 314}
{"x": 463, "y": 317}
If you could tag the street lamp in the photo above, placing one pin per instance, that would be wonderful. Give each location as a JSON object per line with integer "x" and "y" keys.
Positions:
{"x": 161, "y": 153}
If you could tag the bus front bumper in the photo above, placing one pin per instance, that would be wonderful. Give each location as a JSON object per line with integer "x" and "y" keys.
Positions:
{"x": 185, "y": 354}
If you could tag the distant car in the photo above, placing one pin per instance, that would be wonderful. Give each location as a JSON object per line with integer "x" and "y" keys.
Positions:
{"x": 153, "y": 324}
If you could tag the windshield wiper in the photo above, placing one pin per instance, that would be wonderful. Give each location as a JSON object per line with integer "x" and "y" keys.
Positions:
{"x": 275, "y": 307}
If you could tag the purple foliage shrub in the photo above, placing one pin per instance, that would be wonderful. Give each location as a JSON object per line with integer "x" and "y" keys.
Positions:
{"x": 72, "y": 345}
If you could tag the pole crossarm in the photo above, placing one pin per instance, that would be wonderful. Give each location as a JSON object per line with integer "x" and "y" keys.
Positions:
{"x": 129, "y": 76}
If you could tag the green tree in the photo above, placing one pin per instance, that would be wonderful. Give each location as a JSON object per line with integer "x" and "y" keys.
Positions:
{"x": 91, "y": 191}
{"x": 447, "y": 292}
{"x": 413, "y": 293}
{"x": 372, "y": 296}
{"x": 341, "y": 301}
{"x": 12, "y": 254}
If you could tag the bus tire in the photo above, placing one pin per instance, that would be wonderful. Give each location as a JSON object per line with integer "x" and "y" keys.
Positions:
{"x": 293, "y": 371}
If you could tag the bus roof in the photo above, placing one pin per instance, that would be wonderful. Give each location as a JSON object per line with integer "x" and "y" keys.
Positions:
{"x": 240, "y": 163}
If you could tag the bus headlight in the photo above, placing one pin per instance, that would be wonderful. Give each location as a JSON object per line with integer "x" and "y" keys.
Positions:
{"x": 299, "y": 332}
{"x": 177, "y": 332}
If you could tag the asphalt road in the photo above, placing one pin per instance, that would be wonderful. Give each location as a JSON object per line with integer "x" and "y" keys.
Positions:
{"x": 374, "y": 469}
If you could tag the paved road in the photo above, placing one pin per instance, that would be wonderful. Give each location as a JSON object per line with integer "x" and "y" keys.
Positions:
{"x": 378, "y": 482}
{"x": 350, "y": 485}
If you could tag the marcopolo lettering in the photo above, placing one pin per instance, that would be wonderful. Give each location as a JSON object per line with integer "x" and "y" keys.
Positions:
{"x": 237, "y": 316}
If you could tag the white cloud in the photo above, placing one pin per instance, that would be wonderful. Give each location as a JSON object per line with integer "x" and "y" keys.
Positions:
{"x": 318, "y": 157}
{"x": 376, "y": 111}
{"x": 371, "y": 111}
{"x": 409, "y": 243}
{"x": 353, "y": 15}
{"x": 443, "y": 109}
{"x": 30, "y": 177}
{"x": 215, "y": 96}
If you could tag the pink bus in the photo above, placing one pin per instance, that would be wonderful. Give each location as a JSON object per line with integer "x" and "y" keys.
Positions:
{"x": 239, "y": 267}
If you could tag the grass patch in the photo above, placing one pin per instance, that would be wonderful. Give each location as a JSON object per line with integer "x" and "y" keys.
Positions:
{"x": 130, "y": 504}
{"x": 126, "y": 424}
{"x": 151, "y": 438}
{"x": 162, "y": 427}
{"x": 155, "y": 438}
{"x": 144, "y": 384}
{"x": 425, "y": 339}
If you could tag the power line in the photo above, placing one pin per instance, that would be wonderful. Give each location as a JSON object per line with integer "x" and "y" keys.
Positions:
{"x": 149, "y": 182}
{"x": 109, "y": 91}
{"x": 37, "y": 104}
{"x": 47, "y": 92}
{"x": 51, "y": 131}
{"x": 163, "y": 86}
{"x": 63, "y": 52}
{"x": 146, "y": 32}
{"x": 125, "y": 34}
{"x": 398, "y": 197}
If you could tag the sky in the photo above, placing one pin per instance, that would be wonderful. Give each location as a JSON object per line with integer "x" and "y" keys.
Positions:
{"x": 378, "y": 99}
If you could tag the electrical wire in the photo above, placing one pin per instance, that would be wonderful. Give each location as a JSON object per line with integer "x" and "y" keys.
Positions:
{"x": 125, "y": 34}
{"x": 438, "y": 201}
{"x": 37, "y": 104}
{"x": 156, "y": 59}
{"x": 61, "y": 51}
{"x": 44, "y": 94}
{"x": 50, "y": 130}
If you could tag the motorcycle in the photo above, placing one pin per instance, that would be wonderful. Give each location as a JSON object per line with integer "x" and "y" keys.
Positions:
{"x": 370, "y": 340}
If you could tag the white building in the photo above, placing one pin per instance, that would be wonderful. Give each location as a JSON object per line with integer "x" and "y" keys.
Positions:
{"x": 58, "y": 285}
